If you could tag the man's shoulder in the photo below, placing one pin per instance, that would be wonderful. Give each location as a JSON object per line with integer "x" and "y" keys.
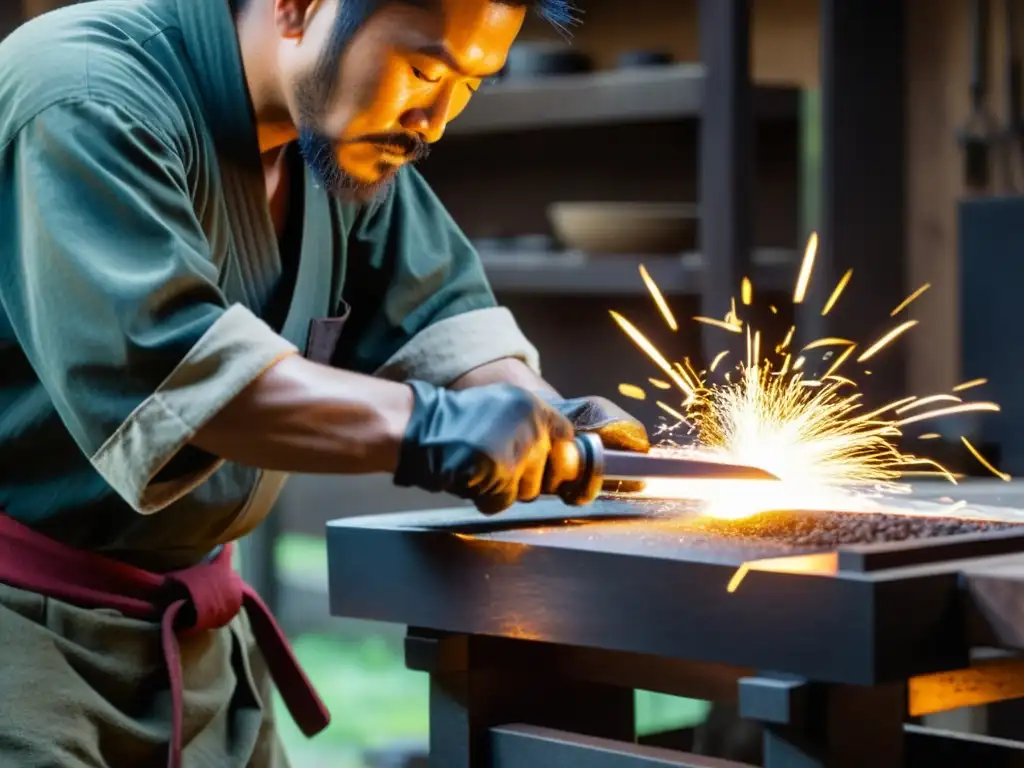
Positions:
{"x": 106, "y": 51}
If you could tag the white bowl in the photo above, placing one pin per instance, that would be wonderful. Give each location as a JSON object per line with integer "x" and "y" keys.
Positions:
{"x": 625, "y": 227}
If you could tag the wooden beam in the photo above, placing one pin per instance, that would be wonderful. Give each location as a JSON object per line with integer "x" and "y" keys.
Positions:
{"x": 863, "y": 183}
{"x": 726, "y": 156}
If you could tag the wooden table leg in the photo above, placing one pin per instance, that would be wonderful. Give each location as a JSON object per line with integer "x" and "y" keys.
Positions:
{"x": 470, "y": 692}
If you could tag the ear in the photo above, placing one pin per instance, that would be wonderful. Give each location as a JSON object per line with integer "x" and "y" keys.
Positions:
{"x": 291, "y": 17}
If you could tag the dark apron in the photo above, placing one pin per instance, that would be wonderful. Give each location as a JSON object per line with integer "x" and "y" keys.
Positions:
{"x": 104, "y": 665}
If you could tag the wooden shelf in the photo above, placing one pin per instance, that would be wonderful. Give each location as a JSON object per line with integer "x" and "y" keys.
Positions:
{"x": 577, "y": 274}
{"x": 618, "y": 96}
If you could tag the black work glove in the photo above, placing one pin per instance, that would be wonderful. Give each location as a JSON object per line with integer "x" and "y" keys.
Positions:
{"x": 492, "y": 445}
{"x": 617, "y": 429}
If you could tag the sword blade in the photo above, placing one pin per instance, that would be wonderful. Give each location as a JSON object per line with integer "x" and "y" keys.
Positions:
{"x": 624, "y": 465}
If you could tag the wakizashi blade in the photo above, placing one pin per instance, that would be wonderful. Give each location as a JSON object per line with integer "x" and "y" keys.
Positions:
{"x": 597, "y": 465}
{"x": 624, "y": 465}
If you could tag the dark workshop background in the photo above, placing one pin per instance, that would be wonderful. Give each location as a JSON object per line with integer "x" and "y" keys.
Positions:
{"x": 891, "y": 126}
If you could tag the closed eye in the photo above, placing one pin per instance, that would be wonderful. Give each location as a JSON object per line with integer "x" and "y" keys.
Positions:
{"x": 420, "y": 74}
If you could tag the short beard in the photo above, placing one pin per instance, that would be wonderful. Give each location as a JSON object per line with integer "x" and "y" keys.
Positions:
{"x": 320, "y": 152}
{"x": 320, "y": 156}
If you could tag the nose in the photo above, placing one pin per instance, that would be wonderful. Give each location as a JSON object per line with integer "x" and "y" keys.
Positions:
{"x": 429, "y": 121}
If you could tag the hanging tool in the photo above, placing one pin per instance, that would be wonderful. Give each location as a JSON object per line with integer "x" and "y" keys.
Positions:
{"x": 1014, "y": 116}
{"x": 977, "y": 135}
{"x": 596, "y": 464}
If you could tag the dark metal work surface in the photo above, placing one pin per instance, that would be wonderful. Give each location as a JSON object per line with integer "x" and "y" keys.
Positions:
{"x": 726, "y": 156}
{"x": 641, "y": 582}
{"x": 863, "y": 84}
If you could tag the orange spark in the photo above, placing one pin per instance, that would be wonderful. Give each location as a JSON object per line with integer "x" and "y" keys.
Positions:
{"x": 737, "y": 578}
{"x": 930, "y": 399}
{"x": 970, "y": 384}
{"x": 731, "y": 327}
{"x": 885, "y": 340}
{"x": 951, "y": 411}
{"x": 839, "y": 360}
{"x": 659, "y": 299}
{"x": 836, "y": 292}
{"x": 806, "y": 267}
{"x": 784, "y": 344}
{"x": 910, "y": 299}
{"x": 671, "y": 411}
{"x": 828, "y": 341}
{"x": 633, "y": 391}
{"x": 984, "y": 462}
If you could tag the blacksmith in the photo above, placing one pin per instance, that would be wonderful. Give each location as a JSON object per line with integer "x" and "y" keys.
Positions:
{"x": 218, "y": 266}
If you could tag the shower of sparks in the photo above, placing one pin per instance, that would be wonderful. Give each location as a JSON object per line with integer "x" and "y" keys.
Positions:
{"x": 808, "y": 427}
{"x": 746, "y": 291}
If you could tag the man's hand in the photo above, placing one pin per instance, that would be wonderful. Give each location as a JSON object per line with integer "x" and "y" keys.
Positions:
{"x": 493, "y": 445}
{"x": 616, "y": 428}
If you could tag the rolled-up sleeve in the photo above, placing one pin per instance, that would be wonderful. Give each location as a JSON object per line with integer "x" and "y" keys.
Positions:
{"x": 421, "y": 304}
{"x": 107, "y": 280}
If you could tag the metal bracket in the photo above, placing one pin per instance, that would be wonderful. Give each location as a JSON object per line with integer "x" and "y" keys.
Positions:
{"x": 775, "y": 698}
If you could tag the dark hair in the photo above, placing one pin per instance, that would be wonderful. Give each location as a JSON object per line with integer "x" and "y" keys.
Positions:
{"x": 560, "y": 13}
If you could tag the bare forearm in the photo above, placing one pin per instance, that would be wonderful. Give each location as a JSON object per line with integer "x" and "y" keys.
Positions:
{"x": 303, "y": 417}
{"x": 508, "y": 370}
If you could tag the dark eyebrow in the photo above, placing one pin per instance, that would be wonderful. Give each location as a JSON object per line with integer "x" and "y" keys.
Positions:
{"x": 442, "y": 54}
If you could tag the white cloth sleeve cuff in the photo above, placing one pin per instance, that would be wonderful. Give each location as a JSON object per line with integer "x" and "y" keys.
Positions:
{"x": 444, "y": 351}
{"x": 235, "y": 351}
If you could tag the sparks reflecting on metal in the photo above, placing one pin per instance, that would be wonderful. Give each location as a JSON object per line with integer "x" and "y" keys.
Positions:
{"x": 801, "y": 418}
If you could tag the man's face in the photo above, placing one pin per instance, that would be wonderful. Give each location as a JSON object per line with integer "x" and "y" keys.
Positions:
{"x": 408, "y": 70}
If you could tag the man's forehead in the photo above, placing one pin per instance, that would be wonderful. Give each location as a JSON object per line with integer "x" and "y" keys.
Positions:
{"x": 478, "y": 33}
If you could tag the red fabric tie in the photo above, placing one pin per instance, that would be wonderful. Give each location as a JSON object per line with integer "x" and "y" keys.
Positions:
{"x": 197, "y": 599}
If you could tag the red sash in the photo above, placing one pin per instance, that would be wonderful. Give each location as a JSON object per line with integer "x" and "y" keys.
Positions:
{"x": 204, "y": 597}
